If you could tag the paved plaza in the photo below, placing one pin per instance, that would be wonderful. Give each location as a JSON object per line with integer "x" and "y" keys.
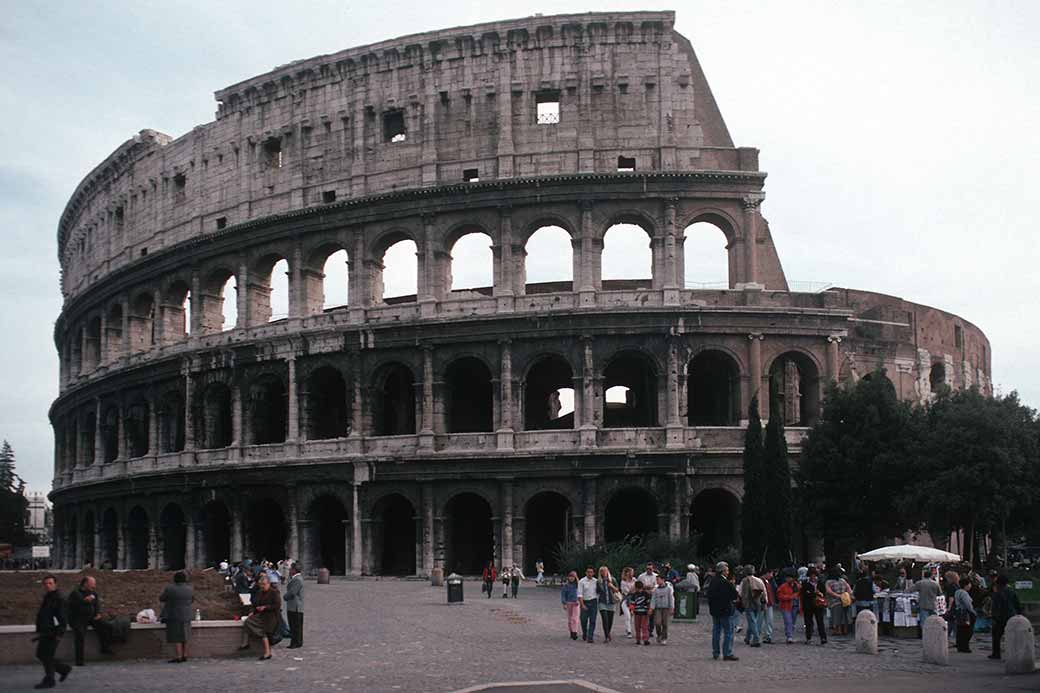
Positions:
{"x": 400, "y": 635}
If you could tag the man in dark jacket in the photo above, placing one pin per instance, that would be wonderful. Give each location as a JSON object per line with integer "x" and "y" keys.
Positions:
{"x": 721, "y": 595}
{"x": 85, "y": 612}
{"x": 50, "y": 626}
{"x": 294, "y": 606}
{"x": 1005, "y": 605}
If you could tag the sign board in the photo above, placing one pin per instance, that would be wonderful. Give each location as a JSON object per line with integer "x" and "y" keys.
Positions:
{"x": 1023, "y": 584}
{"x": 41, "y": 552}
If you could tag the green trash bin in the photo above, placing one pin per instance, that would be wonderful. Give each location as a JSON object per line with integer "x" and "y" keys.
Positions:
{"x": 685, "y": 606}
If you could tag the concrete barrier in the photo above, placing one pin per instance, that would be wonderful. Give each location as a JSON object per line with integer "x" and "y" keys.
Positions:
{"x": 866, "y": 633}
{"x": 936, "y": 641}
{"x": 145, "y": 641}
{"x": 1018, "y": 646}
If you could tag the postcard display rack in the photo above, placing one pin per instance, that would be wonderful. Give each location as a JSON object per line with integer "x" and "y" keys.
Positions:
{"x": 898, "y": 613}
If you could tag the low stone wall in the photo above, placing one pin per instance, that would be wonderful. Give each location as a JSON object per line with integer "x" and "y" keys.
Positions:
{"x": 145, "y": 641}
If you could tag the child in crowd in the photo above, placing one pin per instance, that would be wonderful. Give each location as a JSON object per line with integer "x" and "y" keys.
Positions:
{"x": 639, "y": 603}
{"x": 569, "y": 599}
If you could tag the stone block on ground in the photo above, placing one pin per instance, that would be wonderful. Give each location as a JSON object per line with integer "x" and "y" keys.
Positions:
{"x": 866, "y": 633}
{"x": 936, "y": 641}
{"x": 1019, "y": 646}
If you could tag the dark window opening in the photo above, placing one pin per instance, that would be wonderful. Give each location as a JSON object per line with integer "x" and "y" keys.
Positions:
{"x": 135, "y": 424}
{"x": 636, "y": 376}
{"x": 273, "y": 151}
{"x": 713, "y": 390}
{"x": 937, "y": 376}
{"x": 327, "y": 404}
{"x": 394, "y": 408}
{"x": 119, "y": 216}
{"x": 470, "y": 397}
{"x": 221, "y": 223}
{"x": 545, "y": 382}
{"x": 471, "y": 175}
{"x": 144, "y": 251}
{"x": 180, "y": 181}
{"x": 958, "y": 336}
{"x": 794, "y": 389}
{"x": 548, "y": 108}
{"x": 215, "y": 429}
{"x": 328, "y": 196}
{"x": 626, "y": 164}
{"x": 393, "y": 126}
{"x": 268, "y": 408}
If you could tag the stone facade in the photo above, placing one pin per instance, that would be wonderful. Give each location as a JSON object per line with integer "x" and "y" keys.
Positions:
{"x": 399, "y": 435}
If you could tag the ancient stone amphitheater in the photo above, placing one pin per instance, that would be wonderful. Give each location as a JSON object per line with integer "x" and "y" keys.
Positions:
{"x": 397, "y": 435}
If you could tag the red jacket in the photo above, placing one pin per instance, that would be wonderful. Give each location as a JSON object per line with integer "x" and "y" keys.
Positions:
{"x": 786, "y": 596}
{"x": 490, "y": 574}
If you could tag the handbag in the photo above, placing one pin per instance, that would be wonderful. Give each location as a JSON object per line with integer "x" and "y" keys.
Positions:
{"x": 846, "y": 599}
{"x": 820, "y": 601}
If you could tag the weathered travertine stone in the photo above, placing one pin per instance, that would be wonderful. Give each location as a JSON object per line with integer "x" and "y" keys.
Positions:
{"x": 936, "y": 641}
{"x": 1019, "y": 646}
{"x": 866, "y": 633}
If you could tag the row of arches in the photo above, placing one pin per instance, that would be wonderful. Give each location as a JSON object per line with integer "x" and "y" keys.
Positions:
{"x": 268, "y": 289}
{"x": 392, "y": 538}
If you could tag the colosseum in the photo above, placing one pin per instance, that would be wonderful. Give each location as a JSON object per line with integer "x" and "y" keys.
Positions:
{"x": 394, "y": 435}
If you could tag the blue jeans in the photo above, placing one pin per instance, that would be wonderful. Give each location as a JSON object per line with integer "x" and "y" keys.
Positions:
{"x": 588, "y": 618}
{"x": 752, "y": 635}
{"x": 766, "y": 626}
{"x": 722, "y": 626}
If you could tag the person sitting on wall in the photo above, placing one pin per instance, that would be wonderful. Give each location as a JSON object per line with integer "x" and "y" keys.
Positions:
{"x": 85, "y": 612}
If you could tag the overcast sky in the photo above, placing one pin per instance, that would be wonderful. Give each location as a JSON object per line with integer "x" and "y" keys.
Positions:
{"x": 897, "y": 137}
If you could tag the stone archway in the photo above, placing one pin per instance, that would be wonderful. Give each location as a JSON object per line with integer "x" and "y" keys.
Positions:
{"x": 469, "y": 540}
{"x": 266, "y": 530}
{"x": 216, "y": 533}
{"x": 631, "y": 512}
{"x": 394, "y": 537}
{"x": 327, "y": 534}
{"x": 174, "y": 537}
{"x": 139, "y": 530}
{"x": 715, "y": 516}
{"x": 110, "y": 538}
{"x": 547, "y": 517}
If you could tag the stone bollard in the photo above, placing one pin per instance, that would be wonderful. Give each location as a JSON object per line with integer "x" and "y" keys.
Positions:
{"x": 323, "y": 576}
{"x": 936, "y": 641}
{"x": 437, "y": 577}
{"x": 1018, "y": 646}
{"x": 866, "y": 632}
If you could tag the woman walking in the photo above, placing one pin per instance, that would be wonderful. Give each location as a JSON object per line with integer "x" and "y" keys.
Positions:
{"x": 628, "y": 582}
{"x": 787, "y": 597}
{"x": 177, "y": 599}
{"x": 514, "y": 580}
{"x": 569, "y": 599}
{"x": 608, "y": 596}
{"x": 265, "y": 617}
{"x": 839, "y": 599}
{"x": 813, "y": 602}
{"x": 489, "y": 578}
{"x": 964, "y": 615}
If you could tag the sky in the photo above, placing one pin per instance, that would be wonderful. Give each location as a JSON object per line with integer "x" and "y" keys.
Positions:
{"x": 899, "y": 139}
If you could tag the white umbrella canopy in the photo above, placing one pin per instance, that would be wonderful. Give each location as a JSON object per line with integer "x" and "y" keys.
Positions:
{"x": 909, "y": 552}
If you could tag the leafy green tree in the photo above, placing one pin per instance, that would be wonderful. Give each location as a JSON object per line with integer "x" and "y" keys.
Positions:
{"x": 976, "y": 465}
{"x": 855, "y": 464}
{"x": 777, "y": 476}
{"x": 754, "y": 518}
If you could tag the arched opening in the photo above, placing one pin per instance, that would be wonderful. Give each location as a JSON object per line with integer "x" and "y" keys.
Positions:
{"x": 214, "y": 430}
{"x": 88, "y": 538}
{"x": 398, "y": 276}
{"x": 110, "y": 434}
{"x": 472, "y": 263}
{"x": 142, "y": 323}
{"x": 329, "y": 534}
{"x": 631, "y": 513}
{"x": 937, "y": 376}
{"x": 110, "y": 539}
{"x": 177, "y": 312}
{"x": 794, "y": 389}
{"x": 72, "y": 540}
{"x": 715, "y": 517}
{"x": 268, "y": 410}
{"x": 216, "y": 533}
{"x": 135, "y": 425}
{"x": 327, "y": 404}
{"x": 89, "y": 431}
{"x": 393, "y": 408}
{"x": 548, "y": 264}
{"x": 549, "y": 386}
{"x": 706, "y": 260}
{"x": 627, "y": 255}
{"x": 265, "y": 530}
{"x": 269, "y": 290}
{"x": 174, "y": 532}
{"x": 76, "y": 352}
{"x": 325, "y": 279}
{"x": 713, "y": 390}
{"x": 547, "y": 518}
{"x": 635, "y": 373}
{"x": 139, "y": 532}
{"x": 395, "y": 538}
{"x": 114, "y": 332}
{"x": 468, "y": 534}
{"x": 92, "y": 345}
{"x": 470, "y": 400}
{"x": 171, "y": 422}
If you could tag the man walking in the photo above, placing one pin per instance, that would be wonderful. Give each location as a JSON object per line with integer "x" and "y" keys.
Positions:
{"x": 927, "y": 590}
{"x": 294, "y": 606}
{"x": 85, "y": 612}
{"x": 1005, "y": 605}
{"x": 752, "y": 591}
{"x": 663, "y": 602}
{"x": 721, "y": 596}
{"x": 588, "y": 604}
{"x": 50, "y": 626}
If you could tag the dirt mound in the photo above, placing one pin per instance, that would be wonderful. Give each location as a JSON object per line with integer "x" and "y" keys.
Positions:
{"x": 123, "y": 593}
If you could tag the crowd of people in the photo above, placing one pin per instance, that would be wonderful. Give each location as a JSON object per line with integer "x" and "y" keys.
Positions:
{"x": 254, "y": 582}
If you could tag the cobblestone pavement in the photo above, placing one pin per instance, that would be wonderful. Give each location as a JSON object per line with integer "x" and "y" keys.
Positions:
{"x": 392, "y": 635}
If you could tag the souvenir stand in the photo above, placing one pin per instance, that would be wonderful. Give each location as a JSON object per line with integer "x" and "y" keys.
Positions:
{"x": 897, "y": 612}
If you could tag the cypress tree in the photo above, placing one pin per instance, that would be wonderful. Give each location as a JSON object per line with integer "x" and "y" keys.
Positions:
{"x": 7, "y": 475}
{"x": 777, "y": 475}
{"x": 753, "y": 516}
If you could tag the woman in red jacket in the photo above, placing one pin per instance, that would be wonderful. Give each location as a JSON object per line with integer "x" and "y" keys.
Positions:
{"x": 489, "y": 578}
{"x": 785, "y": 597}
